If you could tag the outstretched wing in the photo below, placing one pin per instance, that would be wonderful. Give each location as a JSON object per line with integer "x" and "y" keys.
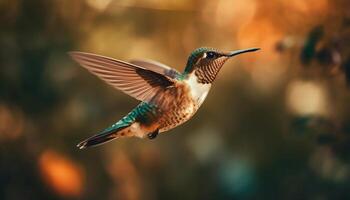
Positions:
{"x": 157, "y": 67}
{"x": 136, "y": 81}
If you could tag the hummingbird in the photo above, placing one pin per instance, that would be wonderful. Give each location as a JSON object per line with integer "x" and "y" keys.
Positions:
{"x": 167, "y": 97}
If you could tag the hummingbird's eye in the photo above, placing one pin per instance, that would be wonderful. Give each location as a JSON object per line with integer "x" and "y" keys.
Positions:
{"x": 211, "y": 55}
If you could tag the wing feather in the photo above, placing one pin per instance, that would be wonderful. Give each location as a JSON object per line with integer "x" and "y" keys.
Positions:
{"x": 157, "y": 67}
{"x": 139, "y": 82}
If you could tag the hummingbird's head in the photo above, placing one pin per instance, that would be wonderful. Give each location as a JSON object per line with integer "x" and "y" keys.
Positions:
{"x": 206, "y": 62}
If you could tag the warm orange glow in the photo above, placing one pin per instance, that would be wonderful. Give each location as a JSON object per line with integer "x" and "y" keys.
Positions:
{"x": 260, "y": 33}
{"x": 62, "y": 174}
{"x": 308, "y": 6}
{"x": 234, "y": 13}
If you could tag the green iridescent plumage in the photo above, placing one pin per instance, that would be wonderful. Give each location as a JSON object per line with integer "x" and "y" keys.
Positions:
{"x": 142, "y": 113}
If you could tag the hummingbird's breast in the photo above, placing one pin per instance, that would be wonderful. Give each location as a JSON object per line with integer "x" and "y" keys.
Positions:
{"x": 179, "y": 103}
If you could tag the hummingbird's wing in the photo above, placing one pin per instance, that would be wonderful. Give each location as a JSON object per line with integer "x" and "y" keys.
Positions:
{"x": 136, "y": 81}
{"x": 157, "y": 67}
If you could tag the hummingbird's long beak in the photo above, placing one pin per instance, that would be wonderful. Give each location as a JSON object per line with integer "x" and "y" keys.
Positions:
{"x": 234, "y": 53}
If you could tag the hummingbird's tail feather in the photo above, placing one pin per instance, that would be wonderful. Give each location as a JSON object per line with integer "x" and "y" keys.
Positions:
{"x": 103, "y": 137}
{"x": 128, "y": 126}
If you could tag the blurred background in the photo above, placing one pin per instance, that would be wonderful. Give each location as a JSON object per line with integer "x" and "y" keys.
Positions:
{"x": 276, "y": 124}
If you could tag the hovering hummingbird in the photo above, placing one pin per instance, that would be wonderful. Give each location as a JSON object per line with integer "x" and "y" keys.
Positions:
{"x": 168, "y": 97}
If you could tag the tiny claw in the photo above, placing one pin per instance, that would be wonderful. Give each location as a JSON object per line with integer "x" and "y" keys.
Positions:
{"x": 153, "y": 134}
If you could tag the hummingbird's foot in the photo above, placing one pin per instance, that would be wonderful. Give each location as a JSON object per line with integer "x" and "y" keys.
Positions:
{"x": 153, "y": 134}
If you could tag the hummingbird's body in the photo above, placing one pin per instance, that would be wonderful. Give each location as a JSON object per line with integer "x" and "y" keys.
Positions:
{"x": 179, "y": 103}
{"x": 169, "y": 98}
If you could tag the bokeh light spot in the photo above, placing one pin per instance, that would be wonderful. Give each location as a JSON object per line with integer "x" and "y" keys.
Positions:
{"x": 62, "y": 174}
{"x": 307, "y": 98}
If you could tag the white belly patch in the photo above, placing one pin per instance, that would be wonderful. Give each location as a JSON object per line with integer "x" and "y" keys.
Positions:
{"x": 199, "y": 91}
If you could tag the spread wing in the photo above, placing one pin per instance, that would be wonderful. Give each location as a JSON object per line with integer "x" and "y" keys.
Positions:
{"x": 157, "y": 67}
{"x": 139, "y": 82}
